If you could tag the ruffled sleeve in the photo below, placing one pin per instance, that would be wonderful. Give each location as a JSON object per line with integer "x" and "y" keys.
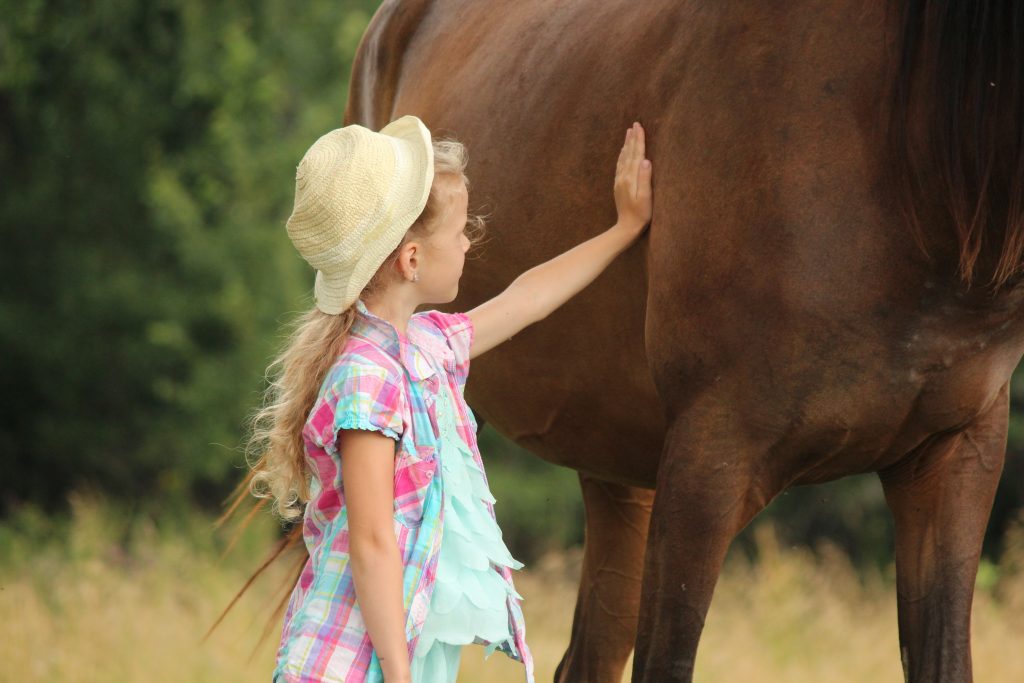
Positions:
{"x": 359, "y": 395}
{"x": 457, "y": 329}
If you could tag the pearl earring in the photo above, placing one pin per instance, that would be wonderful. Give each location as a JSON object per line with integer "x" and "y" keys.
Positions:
{"x": 415, "y": 277}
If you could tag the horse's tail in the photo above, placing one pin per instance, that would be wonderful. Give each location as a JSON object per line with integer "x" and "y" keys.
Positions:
{"x": 957, "y": 127}
{"x": 288, "y": 549}
{"x": 377, "y": 68}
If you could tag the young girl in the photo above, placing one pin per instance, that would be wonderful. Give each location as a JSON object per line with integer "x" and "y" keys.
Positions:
{"x": 365, "y": 423}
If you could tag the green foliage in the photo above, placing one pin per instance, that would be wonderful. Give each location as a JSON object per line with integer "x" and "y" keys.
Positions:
{"x": 1009, "y": 500}
{"x": 850, "y": 514}
{"x": 147, "y": 152}
{"x": 539, "y": 506}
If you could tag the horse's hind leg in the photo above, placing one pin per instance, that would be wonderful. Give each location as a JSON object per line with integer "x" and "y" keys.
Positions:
{"x": 941, "y": 500}
{"x": 604, "y": 625}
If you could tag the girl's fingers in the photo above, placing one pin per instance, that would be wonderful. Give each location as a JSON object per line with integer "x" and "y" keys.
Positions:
{"x": 644, "y": 183}
{"x": 632, "y": 187}
{"x": 636, "y": 149}
{"x": 624, "y": 152}
{"x": 638, "y": 142}
{"x": 631, "y": 158}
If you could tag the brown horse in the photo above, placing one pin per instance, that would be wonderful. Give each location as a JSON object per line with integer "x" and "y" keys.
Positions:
{"x": 830, "y": 178}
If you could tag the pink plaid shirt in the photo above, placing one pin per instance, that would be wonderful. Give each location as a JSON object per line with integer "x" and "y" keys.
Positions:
{"x": 386, "y": 382}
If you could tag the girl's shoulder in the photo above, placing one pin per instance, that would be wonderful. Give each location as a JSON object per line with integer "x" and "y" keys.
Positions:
{"x": 361, "y": 364}
{"x": 363, "y": 389}
{"x": 454, "y": 331}
{"x": 359, "y": 353}
{"x": 445, "y": 325}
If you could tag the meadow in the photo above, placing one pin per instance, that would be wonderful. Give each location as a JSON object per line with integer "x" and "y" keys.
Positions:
{"x": 110, "y": 595}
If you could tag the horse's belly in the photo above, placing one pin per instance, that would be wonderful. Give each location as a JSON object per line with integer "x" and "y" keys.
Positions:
{"x": 575, "y": 390}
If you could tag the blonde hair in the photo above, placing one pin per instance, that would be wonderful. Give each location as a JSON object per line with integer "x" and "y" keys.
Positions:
{"x": 274, "y": 451}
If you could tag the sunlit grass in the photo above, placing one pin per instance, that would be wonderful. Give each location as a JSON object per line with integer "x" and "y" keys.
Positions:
{"x": 109, "y": 597}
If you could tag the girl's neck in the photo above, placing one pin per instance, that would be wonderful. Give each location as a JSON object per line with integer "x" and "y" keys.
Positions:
{"x": 394, "y": 306}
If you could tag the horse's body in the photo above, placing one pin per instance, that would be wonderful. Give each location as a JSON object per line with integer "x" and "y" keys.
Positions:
{"x": 779, "y": 326}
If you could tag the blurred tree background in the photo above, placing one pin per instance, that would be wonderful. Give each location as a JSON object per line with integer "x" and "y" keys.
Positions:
{"x": 147, "y": 155}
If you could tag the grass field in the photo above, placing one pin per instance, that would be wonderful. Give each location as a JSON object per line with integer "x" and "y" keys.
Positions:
{"x": 110, "y": 597}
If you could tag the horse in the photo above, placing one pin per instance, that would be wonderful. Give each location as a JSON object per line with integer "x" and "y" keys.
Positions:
{"x": 830, "y": 284}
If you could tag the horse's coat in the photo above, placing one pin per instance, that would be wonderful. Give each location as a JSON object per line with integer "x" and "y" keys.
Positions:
{"x": 779, "y": 326}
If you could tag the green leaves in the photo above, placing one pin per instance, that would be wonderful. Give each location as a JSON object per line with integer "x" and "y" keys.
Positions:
{"x": 148, "y": 153}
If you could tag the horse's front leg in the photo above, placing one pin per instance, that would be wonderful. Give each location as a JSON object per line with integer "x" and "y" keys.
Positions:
{"x": 707, "y": 492}
{"x": 604, "y": 625}
{"x": 941, "y": 497}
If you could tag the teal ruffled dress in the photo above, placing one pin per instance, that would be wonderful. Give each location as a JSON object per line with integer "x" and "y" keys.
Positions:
{"x": 468, "y": 602}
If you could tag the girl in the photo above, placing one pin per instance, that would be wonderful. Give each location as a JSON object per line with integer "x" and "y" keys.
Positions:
{"x": 366, "y": 435}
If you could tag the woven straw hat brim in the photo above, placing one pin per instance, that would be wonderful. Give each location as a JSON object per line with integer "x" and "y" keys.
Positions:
{"x": 357, "y": 194}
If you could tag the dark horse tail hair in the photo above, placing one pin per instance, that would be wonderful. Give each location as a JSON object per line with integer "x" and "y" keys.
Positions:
{"x": 964, "y": 60}
{"x": 288, "y": 549}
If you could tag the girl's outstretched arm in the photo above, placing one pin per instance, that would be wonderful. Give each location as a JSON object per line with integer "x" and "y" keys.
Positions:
{"x": 536, "y": 293}
{"x": 368, "y": 470}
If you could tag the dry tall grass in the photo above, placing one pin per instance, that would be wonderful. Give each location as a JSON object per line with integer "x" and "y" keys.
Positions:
{"x": 112, "y": 599}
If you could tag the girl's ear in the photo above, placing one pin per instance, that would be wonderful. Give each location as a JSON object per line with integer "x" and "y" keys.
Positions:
{"x": 408, "y": 259}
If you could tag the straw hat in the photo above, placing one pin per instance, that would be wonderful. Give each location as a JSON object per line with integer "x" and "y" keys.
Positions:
{"x": 356, "y": 194}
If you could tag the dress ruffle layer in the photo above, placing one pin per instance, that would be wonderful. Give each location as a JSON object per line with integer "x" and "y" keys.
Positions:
{"x": 469, "y": 600}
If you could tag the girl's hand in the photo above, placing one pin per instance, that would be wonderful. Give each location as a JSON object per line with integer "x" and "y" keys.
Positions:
{"x": 633, "y": 183}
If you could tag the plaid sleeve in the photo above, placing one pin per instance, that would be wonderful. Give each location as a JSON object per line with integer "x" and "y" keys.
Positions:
{"x": 365, "y": 396}
{"x": 458, "y": 331}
